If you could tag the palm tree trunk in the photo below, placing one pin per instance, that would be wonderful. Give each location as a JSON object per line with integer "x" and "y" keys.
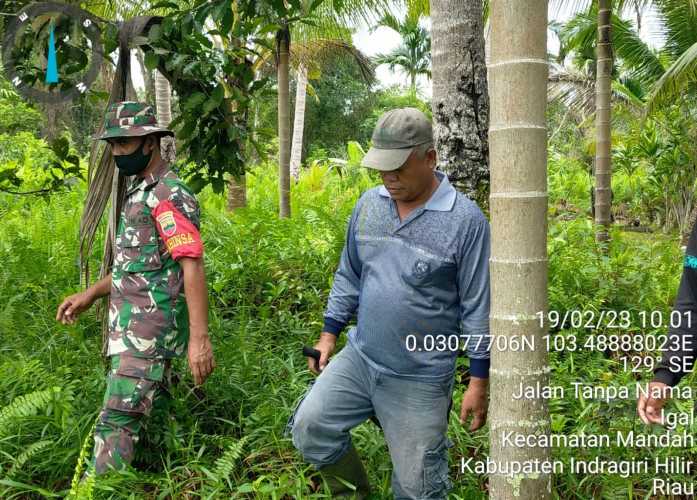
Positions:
{"x": 460, "y": 99}
{"x": 603, "y": 166}
{"x": 237, "y": 193}
{"x": 150, "y": 92}
{"x": 237, "y": 187}
{"x": 283, "y": 47}
{"x": 299, "y": 122}
{"x": 163, "y": 103}
{"x": 518, "y": 263}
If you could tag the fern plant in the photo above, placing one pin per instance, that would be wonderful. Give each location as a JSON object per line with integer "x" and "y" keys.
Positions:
{"x": 28, "y": 453}
{"x": 26, "y": 405}
{"x": 225, "y": 465}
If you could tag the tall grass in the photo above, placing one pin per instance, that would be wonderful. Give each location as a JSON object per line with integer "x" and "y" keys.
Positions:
{"x": 268, "y": 282}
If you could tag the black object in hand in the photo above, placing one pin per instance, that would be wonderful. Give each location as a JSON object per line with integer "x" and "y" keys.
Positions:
{"x": 311, "y": 352}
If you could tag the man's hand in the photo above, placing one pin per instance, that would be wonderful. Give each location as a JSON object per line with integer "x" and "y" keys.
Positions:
{"x": 325, "y": 345}
{"x": 200, "y": 353}
{"x": 73, "y": 306}
{"x": 201, "y": 360}
{"x": 649, "y": 408}
{"x": 475, "y": 403}
{"x": 78, "y": 303}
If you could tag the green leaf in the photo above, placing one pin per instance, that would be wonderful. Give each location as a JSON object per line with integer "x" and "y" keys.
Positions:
{"x": 155, "y": 33}
{"x": 215, "y": 100}
{"x": 218, "y": 185}
{"x": 232, "y": 133}
{"x": 176, "y": 63}
{"x": 61, "y": 147}
{"x": 196, "y": 183}
{"x": 219, "y": 93}
{"x": 151, "y": 60}
{"x": 165, "y": 4}
{"x": 189, "y": 130}
{"x": 219, "y": 12}
{"x": 111, "y": 38}
{"x": 194, "y": 101}
{"x": 245, "y": 488}
{"x": 189, "y": 68}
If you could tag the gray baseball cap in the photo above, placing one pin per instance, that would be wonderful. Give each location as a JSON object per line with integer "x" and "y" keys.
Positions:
{"x": 396, "y": 134}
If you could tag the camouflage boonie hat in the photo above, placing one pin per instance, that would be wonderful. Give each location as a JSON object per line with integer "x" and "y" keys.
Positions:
{"x": 131, "y": 119}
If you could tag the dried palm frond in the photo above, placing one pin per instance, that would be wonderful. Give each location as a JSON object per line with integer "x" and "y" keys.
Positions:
{"x": 103, "y": 184}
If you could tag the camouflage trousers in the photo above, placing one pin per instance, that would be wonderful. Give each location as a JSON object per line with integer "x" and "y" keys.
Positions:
{"x": 134, "y": 387}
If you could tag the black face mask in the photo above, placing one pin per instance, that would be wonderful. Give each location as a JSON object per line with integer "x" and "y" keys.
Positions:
{"x": 133, "y": 163}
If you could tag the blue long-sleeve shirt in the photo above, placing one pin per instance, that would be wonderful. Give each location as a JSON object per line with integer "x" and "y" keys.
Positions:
{"x": 420, "y": 287}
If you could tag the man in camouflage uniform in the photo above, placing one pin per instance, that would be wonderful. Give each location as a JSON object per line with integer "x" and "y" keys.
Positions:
{"x": 157, "y": 287}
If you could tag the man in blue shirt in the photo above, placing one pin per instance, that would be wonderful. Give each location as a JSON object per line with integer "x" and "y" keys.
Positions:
{"x": 415, "y": 271}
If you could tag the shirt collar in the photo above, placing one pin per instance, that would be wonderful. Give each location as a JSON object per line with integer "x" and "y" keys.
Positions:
{"x": 442, "y": 199}
{"x": 144, "y": 183}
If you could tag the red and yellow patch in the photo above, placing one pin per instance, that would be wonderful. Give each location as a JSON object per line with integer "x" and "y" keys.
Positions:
{"x": 180, "y": 235}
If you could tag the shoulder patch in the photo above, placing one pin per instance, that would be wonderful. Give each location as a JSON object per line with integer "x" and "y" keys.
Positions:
{"x": 167, "y": 223}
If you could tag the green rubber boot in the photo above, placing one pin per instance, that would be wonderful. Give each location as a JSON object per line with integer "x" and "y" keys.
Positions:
{"x": 348, "y": 470}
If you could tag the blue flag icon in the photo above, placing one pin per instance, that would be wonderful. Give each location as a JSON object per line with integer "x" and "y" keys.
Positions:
{"x": 52, "y": 67}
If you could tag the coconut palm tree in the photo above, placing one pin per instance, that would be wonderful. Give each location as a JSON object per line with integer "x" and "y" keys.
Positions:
{"x": 518, "y": 263}
{"x": 282, "y": 65}
{"x": 460, "y": 101}
{"x": 290, "y": 18}
{"x": 309, "y": 57}
{"x": 581, "y": 39}
{"x": 413, "y": 55}
{"x": 298, "y": 121}
{"x": 638, "y": 66}
{"x": 603, "y": 111}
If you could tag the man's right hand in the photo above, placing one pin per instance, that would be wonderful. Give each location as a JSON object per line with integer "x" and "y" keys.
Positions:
{"x": 326, "y": 345}
{"x": 73, "y": 306}
{"x": 649, "y": 408}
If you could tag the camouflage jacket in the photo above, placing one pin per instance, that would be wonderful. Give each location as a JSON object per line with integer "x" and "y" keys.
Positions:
{"x": 159, "y": 223}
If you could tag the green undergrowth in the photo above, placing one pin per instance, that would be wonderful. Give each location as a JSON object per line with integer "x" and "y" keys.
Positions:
{"x": 268, "y": 282}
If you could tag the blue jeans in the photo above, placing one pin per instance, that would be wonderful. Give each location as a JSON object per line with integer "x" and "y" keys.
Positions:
{"x": 413, "y": 416}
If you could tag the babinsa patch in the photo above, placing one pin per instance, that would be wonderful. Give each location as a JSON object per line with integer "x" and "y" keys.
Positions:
{"x": 167, "y": 223}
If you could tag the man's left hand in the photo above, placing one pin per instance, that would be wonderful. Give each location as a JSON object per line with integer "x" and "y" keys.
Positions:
{"x": 475, "y": 403}
{"x": 201, "y": 360}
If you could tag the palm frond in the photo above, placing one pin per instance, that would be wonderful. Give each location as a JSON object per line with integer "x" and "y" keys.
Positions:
{"x": 317, "y": 54}
{"x": 320, "y": 52}
{"x": 674, "y": 80}
{"x": 391, "y": 21}
{"x": 318, "y": 26}
{"x": 578, "y": 36}
{"x": 420, "y": 7}
{"x": 572, "y": 87}
{"x": 558, "y": 7}
{"x": 679, "y": 18}
{"x": 575, "y": 89}
{"x": 634, "y": 53}
{"x": 349, "y": 12}
{"x": 103, "y": 185}
{"x": 627, "y": 92}
{"x": 413, "y": 55}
